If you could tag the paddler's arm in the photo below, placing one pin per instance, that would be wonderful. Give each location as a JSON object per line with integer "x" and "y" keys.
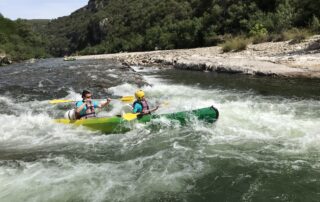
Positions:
{"x": 105, "y": 103}
{"x": 151, "y": 110}
{"x": 80, "y": 108}
{"x": 137, "y": 108}
{"x": 154, "y": 109}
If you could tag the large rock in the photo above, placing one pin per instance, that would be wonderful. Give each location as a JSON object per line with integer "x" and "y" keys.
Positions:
{"x": 4, "y": 60}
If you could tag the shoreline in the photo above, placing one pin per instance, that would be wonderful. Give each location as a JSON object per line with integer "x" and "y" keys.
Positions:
{"x": 279, "y": 59}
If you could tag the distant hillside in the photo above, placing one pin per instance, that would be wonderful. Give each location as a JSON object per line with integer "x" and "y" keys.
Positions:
{"x": 106, "y": 26}
{"x": 19, "y": 42}
{"x": 38, "y": 25}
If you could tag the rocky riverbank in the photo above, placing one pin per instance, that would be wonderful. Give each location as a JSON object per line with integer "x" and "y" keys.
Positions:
{"x": 4, "y": 60}
{"x": 265, "y": 59}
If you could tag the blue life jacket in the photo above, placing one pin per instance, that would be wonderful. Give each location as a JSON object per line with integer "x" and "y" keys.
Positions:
{"x": 89, "y": 111}
{"x": 144, "y": 104}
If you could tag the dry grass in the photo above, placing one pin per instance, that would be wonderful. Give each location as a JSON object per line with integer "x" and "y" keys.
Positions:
{"x": 293, "y": 35}
{"x": 235, "y": 44}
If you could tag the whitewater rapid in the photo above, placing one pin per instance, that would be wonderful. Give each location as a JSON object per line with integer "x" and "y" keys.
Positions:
{"x": 261, "y": 147}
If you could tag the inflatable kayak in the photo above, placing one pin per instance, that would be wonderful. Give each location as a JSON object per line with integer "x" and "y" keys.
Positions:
{"x": 118, "y": 124}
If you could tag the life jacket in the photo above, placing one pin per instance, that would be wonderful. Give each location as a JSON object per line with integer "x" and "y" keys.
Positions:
{"x": 90, "y": 112}
{"x": 144, "y": 104}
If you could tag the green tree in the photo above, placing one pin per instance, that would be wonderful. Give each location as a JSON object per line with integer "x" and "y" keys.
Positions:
{"x": 258, "y": 30}
{"x": 121, "y": 25}
{"x": 284, "y": 16}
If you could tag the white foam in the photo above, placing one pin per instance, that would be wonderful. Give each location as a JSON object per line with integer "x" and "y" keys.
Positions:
{"x": 161, "y": 156}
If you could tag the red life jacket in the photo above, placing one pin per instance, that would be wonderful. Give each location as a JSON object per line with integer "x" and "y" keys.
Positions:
{"x": 144, "y": 104}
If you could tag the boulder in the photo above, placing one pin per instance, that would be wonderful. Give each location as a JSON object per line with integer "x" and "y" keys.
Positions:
{"x": 4, "y": 60}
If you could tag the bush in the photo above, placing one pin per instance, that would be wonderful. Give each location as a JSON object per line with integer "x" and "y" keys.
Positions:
{"x": 315, "y": 24}
{"x": 293, "y": 35}
{"x": 296, "y": 35}
{"x": 260, "y": 39}
{"x": 258, "y": 33}
{"x": 258, "y": 29}
{"x": 211, "y": 38}
{"x": 235, "y": 44}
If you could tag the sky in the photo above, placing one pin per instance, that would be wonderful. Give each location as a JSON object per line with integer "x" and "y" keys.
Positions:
{"x": 39, "y": 9}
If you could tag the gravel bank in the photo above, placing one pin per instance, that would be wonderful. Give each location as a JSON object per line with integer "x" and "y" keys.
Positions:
{"x": 265, "y": 59}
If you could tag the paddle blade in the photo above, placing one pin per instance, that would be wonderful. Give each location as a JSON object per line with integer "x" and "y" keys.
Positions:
{"x": 123, "y": 99}
{"x": 130, "y": 116}
{"x": 165, "y": 104}
{"x": 127, "y": 98}
{"x": 59, "y": 101}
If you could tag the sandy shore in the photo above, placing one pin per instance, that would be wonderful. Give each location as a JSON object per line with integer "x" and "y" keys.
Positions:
{"x": 265, "y": 59}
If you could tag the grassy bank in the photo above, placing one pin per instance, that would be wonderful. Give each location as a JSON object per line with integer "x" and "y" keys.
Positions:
{"x": 240, "y": 43}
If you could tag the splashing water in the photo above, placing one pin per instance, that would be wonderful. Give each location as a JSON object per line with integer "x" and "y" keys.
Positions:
{"x": 263, "y": 147}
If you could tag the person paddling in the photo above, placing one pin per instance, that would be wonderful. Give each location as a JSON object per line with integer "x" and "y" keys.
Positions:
{"x": 86, "y": 108}
{"x": 141, "y": 105}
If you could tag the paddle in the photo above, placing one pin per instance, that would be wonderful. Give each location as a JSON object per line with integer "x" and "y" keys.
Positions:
{"x": 132, "y": 116}
{"x": 123, "y": 99}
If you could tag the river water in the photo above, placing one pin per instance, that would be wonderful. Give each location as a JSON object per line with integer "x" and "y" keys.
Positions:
{"x": 264, "y": 147}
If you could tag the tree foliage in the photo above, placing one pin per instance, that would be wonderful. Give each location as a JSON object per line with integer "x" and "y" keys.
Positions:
{"x": 107, "y": 26}
{"x": 19, "y": 41}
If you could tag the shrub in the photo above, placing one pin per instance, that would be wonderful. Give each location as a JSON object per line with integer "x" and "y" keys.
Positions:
{"x": 315, "y": 24}
{"x": 296, "y": 35}
{"x": 260, "y": 39}
{"x": 258, "y": 33}
{"x": 258, "y": 29}
{"x": 235, "y": 44}
{"x": 212, "y": 39}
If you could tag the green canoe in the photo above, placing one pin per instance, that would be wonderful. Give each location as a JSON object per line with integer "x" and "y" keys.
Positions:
{"x": 117, "y": 124}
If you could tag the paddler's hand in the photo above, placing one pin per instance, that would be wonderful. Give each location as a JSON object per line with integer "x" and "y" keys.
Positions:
{"x": 88, "y": 101}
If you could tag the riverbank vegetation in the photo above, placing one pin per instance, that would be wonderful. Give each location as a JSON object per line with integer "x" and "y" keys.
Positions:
{"x": 19, "y": 42}
{"x": 109, "y": 26}
{"x": 240, "y": 43}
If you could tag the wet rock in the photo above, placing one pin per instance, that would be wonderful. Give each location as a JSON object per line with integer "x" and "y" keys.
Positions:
{"x": 314, "y": 46}
{"x": 4, "y": 60}
{"x": 125, "y": 64}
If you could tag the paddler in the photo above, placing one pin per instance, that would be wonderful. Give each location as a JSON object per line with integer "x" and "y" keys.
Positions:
{"x": 141, "y": 105}
{"x": 86, "y": 108}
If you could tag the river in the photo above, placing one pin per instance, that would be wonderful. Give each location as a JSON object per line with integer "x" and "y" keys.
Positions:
{"x": 264, "y": 147}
